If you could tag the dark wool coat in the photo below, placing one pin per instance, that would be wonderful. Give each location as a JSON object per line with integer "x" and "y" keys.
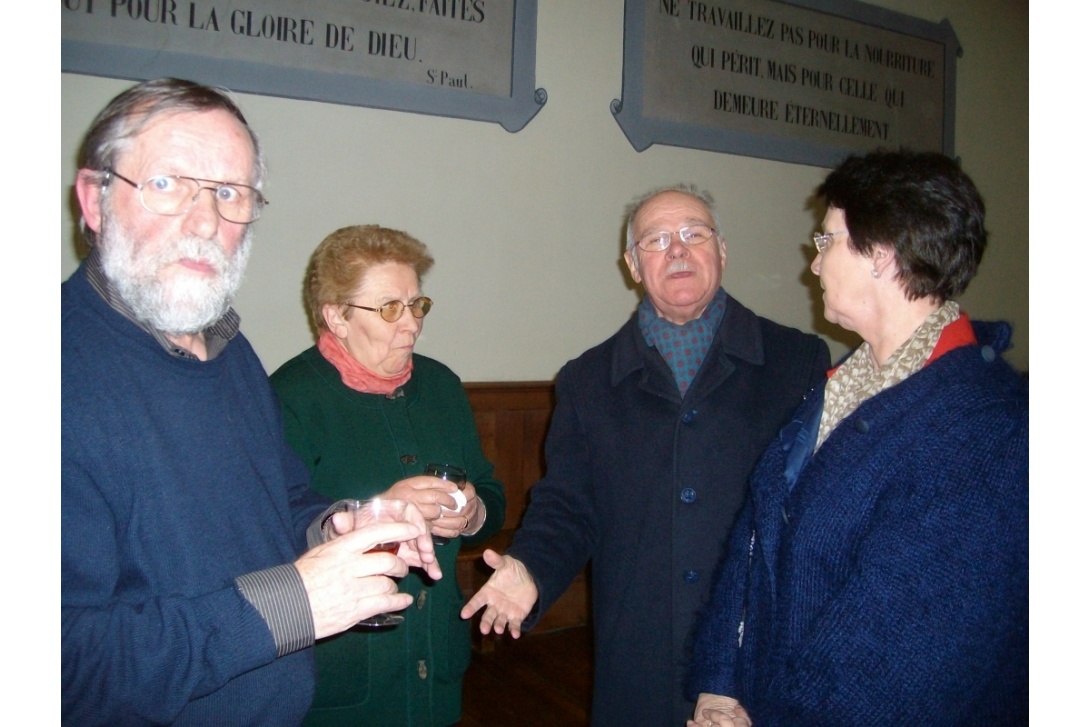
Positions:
{"x": 646, "y": 484}
{"x": 890, "y": 585}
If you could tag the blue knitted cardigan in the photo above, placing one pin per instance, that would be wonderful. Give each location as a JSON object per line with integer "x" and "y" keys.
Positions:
{"x": 890, "y": 584}
{"x": 175, "y": 479}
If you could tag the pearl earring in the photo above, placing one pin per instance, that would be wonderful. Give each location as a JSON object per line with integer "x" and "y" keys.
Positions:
{"x": 874, "y": 272}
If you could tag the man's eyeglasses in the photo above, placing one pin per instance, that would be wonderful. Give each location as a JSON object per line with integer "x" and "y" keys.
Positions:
{"x": 822, "y": 240}
{"x": 691, "y": 235}
{"x": 391, "y": 312}
{"x": 172, "y": 195}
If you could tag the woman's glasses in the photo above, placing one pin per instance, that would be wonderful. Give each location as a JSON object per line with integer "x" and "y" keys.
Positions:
{"x": 392, "y": 311}
{"x": 822, "y": 240}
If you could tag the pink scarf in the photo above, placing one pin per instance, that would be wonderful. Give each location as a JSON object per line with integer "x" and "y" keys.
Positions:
{"x": 354, "y": 374}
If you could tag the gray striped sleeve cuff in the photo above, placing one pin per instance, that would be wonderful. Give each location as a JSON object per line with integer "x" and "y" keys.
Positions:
{"x": 280, "y": 597}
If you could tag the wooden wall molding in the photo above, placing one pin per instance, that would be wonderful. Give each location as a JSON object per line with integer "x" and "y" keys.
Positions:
{"x": 513, "y": 419}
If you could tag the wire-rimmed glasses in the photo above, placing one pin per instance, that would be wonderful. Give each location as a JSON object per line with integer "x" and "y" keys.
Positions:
{"x": 173, "y": 195}
{"x": 690, "y": 235}
{"x": 392, "y": 311}
{"x": 822, "y": 240}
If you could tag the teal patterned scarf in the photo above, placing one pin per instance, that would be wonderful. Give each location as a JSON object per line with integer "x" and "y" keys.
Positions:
{"x": 682, "y": 347}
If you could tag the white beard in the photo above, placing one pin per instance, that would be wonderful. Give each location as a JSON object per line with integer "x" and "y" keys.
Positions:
{"x": 184, "y": 304}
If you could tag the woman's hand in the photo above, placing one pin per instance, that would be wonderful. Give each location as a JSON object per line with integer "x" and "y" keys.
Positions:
{"x": 455, "y": 520}
{"x": 431, "y": 495}
{"x": 427, "y": 493}
{"x": 713, "y": 710}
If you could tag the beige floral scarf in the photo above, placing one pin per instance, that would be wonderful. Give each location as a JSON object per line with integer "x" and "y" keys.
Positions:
{"x": 859, "y": 378}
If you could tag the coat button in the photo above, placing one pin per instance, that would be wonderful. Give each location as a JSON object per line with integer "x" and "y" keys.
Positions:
{"x": 422, "y": 669}
{"x": 689, "y": 416}
{"x": 421, "y": 600}
{"x": 691, "y": 576}
{"x": 862, "y": 426}
{"x": 408, "y": 459}
{"x": 688, "y": 496}
{"x": 987, "y": 353}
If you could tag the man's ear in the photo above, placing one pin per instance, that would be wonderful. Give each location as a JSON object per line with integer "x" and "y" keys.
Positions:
{"x": 334, "y": 320}
{"x": 89, "y": 191}
{"x": 633, "y": 264}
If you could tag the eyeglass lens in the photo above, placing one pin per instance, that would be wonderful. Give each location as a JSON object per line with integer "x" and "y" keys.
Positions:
{"x": 822, "y": 240}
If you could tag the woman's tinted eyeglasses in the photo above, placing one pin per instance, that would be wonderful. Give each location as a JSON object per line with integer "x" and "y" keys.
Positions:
{"x": 391, "y": 312}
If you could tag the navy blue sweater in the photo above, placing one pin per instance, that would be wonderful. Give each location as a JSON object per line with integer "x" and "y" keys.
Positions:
{"x": 890, "y": 584}
{"x": 175, "y": 479}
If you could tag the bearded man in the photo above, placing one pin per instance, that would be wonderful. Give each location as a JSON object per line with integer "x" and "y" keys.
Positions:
{"x": 188, "y": 594}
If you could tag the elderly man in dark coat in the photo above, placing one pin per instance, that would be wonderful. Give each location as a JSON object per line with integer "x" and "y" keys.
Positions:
{"x": 654, "y": 435}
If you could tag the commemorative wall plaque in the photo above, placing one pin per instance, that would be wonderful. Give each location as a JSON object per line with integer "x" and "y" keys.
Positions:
{"x": 471, "y": 59}
{"x": 801, "y": 81}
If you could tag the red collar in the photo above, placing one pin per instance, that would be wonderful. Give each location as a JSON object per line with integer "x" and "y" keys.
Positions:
{"x": 957, "y": 334}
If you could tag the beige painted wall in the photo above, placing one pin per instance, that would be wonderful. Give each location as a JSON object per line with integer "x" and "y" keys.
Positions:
{"x": 526, "y": 228}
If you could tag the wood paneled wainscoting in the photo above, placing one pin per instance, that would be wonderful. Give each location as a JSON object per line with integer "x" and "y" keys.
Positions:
{"x": 543, "y": 678}
{"x": 513, "y": 419}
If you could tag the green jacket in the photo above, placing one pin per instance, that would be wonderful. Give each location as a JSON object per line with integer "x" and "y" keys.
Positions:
{"x": 357, "y": 445}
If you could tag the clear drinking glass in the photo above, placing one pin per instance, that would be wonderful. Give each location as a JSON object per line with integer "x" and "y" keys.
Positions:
{"x": 379, "y": 511}
{"x": 449, "y": 472}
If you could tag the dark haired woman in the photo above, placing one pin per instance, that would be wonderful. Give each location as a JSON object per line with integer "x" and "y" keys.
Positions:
{"x": 879, "y": 573}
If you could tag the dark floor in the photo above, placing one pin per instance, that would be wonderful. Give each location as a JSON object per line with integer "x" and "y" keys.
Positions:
{"x": 538, "y": 680}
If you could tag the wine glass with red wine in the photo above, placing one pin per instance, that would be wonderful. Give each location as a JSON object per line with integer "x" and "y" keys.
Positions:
{"x": 379, "y": 511}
